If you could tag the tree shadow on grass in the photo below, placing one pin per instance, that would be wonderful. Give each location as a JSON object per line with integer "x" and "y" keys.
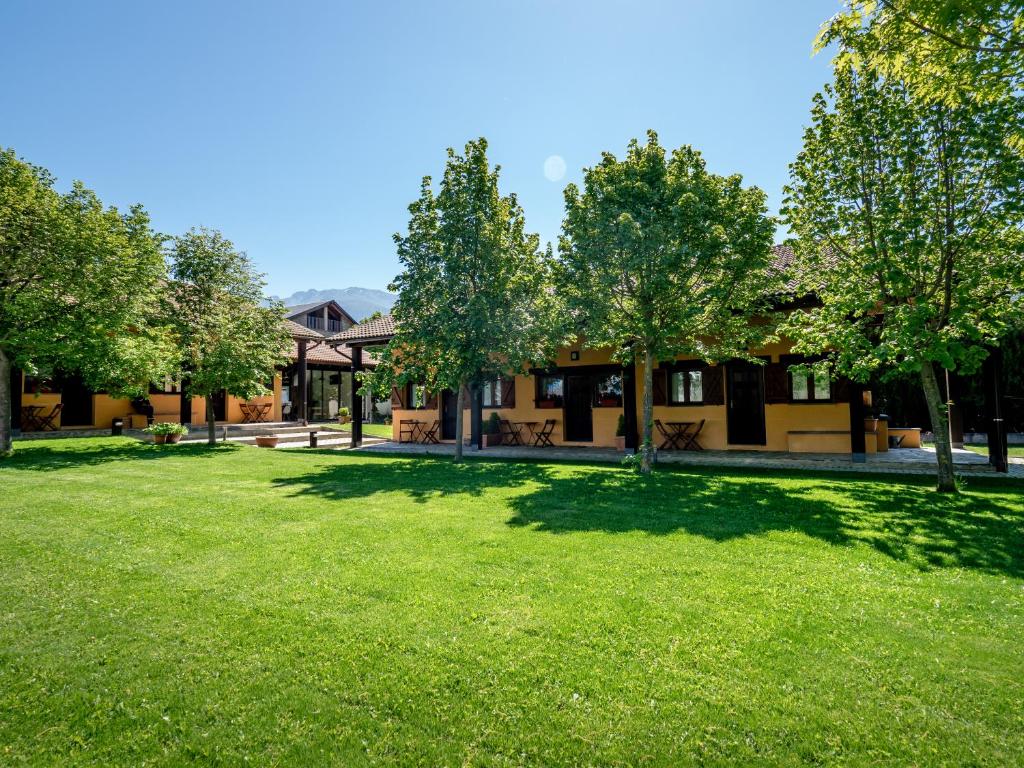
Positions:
{"x": 47, "y": 456}
{"x": 899, "y": 516}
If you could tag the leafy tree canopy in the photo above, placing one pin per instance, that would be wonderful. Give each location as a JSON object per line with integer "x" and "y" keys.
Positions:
{"x": 908, "y": 220}
{"x": 474, "y": 299}
{"x": 229, "y": 340}
{"x": 661, "y": 258}
{"x": 79, "y": 287}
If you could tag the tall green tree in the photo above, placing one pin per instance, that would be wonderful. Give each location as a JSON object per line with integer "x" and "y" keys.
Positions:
{"x": 474, "y": 299}
{"x": 661, "y": 258}
{"x": 949, "y": 51}
{"x": 908, "y": 219}
{"x": 78, "y": 288}
{"x": 228, "y": 339}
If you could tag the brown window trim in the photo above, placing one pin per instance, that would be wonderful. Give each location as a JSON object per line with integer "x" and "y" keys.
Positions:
{"x": 788, "y": 360}
{"x": 681, "y": 366}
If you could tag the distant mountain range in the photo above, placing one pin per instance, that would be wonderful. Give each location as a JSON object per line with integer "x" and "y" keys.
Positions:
{"x": 358, "y": 302}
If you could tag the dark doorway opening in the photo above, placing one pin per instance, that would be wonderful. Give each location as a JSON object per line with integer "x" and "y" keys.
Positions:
{"x": 76, "y": 401}
{"x": 449, "y": 413}
{"x": 579, "y": 400}
{"x": 745, "y": 407}
{"x": 220, "y": 405}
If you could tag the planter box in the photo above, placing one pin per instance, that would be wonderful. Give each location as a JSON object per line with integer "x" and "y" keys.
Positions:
{"x": 609, "y": 402}
{"x": 267, "y": 441}
{"x": 159, "y": 439}
{"x": 620, "y": 443}
{"x": 173, "y": 438}
{"x": 491, "y": 440}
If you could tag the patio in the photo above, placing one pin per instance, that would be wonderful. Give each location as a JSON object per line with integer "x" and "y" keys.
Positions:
{"x": 918, "y": 461}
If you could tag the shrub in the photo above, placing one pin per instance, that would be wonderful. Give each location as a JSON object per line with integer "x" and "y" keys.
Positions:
{"x": 493, "y": 426}
{"x": 620, "y": 428}
{"x": 166, "y": 428}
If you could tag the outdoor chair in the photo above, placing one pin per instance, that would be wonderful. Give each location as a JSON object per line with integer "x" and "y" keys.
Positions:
{"x": 669, "y": 441}
{"x": 543, "y": 436}
{"x": 691, "y": 443}
{"x": 248, "y": 415}
{"x": 509, "y": 434}
{"x": 430, "y": 434}
{"x": 46, "y": 420}
{"x": 408, "y": 431}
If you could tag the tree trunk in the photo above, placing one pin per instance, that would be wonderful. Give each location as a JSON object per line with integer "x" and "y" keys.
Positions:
{"x": 459, "y": 405}
{"x": 211, "y": 421}
{"x": 647, "y": 438}
{"x": 6, "y": 417}
{"x": 943, "y": 448}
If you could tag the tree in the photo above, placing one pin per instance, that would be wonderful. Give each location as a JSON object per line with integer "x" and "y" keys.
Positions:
{"x": 229, "y": 340}
{"x": 908, "y": 220}
{"x": 473, "y": 297}
{"x": 660, "y": 258}
{"x": 951, "y": 51}
{"x": 78, "y": 288}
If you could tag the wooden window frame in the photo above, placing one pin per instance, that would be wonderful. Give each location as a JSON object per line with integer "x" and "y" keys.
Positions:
{"x": 596, "y": 398}
{"x": 686, "y": 367}
{"x": 812, "y": 398}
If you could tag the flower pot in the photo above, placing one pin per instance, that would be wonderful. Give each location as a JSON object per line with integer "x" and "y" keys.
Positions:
{"x": 159, "y": 439}
{"x": 492, "y": 440}
{"x": 173, "y": 438}
{"x": 620, "y": 443}
{"x": 545, "y": 403}
{"x": 609, "y": 402}
{"x": 267, "y": 441}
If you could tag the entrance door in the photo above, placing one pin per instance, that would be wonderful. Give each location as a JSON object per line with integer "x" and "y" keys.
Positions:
{"x": 449, "y": 412}
{"x": 579, "y": 422}
{"x": 745, "y": 411}
{"x": 76, "y": 400}
{"x": 220, "y": 405}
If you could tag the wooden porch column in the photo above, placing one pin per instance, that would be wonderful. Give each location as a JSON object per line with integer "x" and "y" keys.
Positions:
{"x": 185, "y": 403}
{"x": 476, "y": 417}
{"x": 858, "y": 445}
{"x": 300, "y": 401}
{"x": 992, "y": 371}
{"x": 629, "y": 407}
{"x": 357, "y": 399}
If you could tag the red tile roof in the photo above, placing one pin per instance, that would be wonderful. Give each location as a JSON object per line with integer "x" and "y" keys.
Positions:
{"x": 377, "y": 329}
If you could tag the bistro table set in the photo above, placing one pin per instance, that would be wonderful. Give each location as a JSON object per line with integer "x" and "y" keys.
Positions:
{"x": 34, "y": 418}
{"x": 413, "y": 431}
{"x": 255, "y": 413}
{"x": 679, "y": 435}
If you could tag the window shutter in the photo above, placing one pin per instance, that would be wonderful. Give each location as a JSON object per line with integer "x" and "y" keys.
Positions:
{"x": 841, "y": 390}
{"x": 660, "y": 386}
{"x": 776, "y": 383}
{"x": 398, "y": 397}
{"x": 508, "y": 393}
{"x": 714, "y": 383}
{"x": 431, "y": 404}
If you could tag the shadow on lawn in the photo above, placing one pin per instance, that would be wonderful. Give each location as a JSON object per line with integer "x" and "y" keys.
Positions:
{"x": 900, "y": 517}
{"x": 47, "y": 455}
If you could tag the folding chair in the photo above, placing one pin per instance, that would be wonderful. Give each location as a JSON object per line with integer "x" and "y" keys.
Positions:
{"x": 509, "y": 434}
{"x": 46, "y": 420}
{"x": 670, "y": 440}
{"x": 690, "y": 438}
{"x": 408, "y": 430}
{"x": 543, "y": 436}
{"x": 248, "y": 414}
{"x": 430, "y": 435}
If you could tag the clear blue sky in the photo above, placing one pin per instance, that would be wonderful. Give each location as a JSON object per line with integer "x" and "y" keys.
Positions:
{"x": 301, "y": 129}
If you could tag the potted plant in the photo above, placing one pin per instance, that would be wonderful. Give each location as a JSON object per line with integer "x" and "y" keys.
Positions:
{"x": 267, "y": 441}
{"x": 609, "y": 401}
{"x": 492, "y": 431}
{"x": 620, "y": 434}
{"x": 344, "y": 415}
{"x": 166, "y": 432}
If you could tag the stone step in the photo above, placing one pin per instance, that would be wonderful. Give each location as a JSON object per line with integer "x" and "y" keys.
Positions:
{"x": 299, "y": 437}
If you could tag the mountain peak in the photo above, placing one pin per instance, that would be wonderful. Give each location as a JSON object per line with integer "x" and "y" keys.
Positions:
{"x": 358, "y": 302}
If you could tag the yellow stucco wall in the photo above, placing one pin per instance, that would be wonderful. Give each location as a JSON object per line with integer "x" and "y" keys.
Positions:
{"x": 780, "y": 419}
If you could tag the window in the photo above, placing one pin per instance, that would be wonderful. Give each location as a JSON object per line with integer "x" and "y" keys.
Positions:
{"x": 549, "y": 391}
{"x": 814, "y": 387}
{"x": 166, "y": 387}
{"x": 686, "y": 387}
{"x": 39, "y": 384}
{"x": 608, "y": 391}
{"x": 417, "y": 396}
{"x": 492, "y": 393}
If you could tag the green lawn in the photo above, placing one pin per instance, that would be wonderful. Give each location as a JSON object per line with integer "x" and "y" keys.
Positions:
{"x": 374, "y": 430}
{"x": 1013, "y": 450}
{"x": 180, "y": 604}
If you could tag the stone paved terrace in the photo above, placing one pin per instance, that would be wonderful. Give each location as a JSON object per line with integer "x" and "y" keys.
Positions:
{"x": 918, "y": 461}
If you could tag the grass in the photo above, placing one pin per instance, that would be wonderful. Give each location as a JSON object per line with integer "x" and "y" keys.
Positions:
{"x": 372, "y": 430}
{"x": 171, "y": 605}
{"x": 1015, "y": 451}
